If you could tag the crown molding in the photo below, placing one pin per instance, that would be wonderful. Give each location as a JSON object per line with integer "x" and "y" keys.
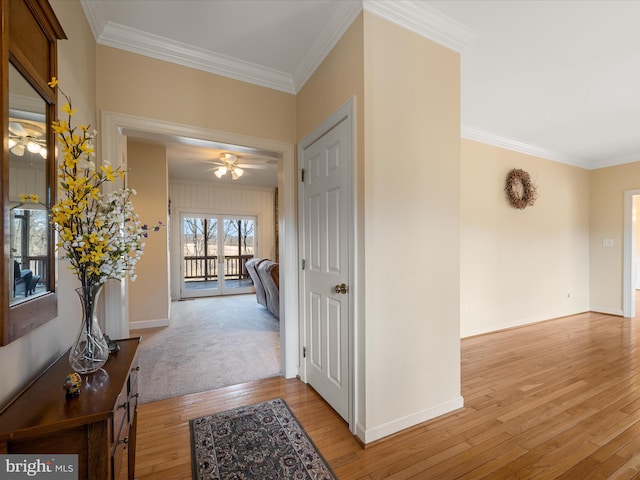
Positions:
{"x": 341, "y": 20}
{"x": 96, "y": 17}
{"x": 161, "y": 48}
{"x": 631, "y": 158}
{"x": 423, "y": 20}
{"x": 410, "y": 14}
{"x": 483, "y": 136}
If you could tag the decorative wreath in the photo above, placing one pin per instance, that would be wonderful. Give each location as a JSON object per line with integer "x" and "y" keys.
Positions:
{"x": 521, "y": 191}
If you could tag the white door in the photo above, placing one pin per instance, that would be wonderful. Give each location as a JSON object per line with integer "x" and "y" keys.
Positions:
{"x": 327, "y": 204}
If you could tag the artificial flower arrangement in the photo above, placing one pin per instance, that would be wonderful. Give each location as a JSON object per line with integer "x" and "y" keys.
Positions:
{"x": 101, "y": 234}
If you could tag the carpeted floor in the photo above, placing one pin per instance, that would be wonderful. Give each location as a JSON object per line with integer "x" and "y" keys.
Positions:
{"x": 210, "y": 343}
{"x": 261, "y": 441}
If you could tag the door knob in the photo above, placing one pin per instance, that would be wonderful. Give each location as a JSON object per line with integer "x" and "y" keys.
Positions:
{"x": 342, "y": 288}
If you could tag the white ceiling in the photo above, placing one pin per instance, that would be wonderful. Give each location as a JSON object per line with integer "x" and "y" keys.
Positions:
{"x": 557, "y": 79}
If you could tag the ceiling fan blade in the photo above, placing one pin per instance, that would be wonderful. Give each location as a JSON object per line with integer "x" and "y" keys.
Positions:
{"x": 252, "y": 165}
{"x": 17, "y": 129}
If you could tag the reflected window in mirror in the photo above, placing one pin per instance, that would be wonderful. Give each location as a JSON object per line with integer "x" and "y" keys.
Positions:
{"x": 29, "y": 196}
{"x": 30, "y": 34}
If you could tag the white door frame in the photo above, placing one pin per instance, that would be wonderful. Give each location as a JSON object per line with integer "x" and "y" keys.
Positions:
{"x": 113, "y": 149}
{"x": 347, "y": 113}
{"x": 628, "y": 284}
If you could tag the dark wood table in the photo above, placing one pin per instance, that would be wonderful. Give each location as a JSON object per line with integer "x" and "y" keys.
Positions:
{"x": 99, "y": 425}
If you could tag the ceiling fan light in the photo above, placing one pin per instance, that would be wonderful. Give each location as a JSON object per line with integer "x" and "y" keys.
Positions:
{"x": 18, "y": 149}
{"x": 12, "y": 143}
{"x": 33, "y": 147}
{"x": 43, "y": 153}
{"x": 228, "y": 157}
{"x": 229, "y": 160}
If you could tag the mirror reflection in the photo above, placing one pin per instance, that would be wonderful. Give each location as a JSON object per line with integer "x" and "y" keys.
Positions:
{"x": 28, "y": 193}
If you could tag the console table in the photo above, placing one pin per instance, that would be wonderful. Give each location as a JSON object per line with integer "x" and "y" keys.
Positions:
{"x": 99, "y": 425}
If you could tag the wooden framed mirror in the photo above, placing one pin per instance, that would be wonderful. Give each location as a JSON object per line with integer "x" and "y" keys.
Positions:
{"x": 28, "y": 298}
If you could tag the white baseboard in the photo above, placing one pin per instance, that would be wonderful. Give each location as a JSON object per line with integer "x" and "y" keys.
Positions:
{"x": 402, "y": 423}
{"x": 608, "y": 311}
{"x": 160, "y": 322}
{"x": 524, "y": 322}
{"x": 360, "y": 432}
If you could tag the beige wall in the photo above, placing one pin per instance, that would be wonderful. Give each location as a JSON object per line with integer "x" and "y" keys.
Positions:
{"x": 412, "y": 234}
{"x": 338, "y": 79}
{"x": 521, "y": 266}
{"x": 148, "y": 174}
{"x": 407, "y": 321}
{"x": 27, "y": 356}
{"x": 133, "y": 84}
{"x": 335, "y": 81}
{"x": 607, "y": 222}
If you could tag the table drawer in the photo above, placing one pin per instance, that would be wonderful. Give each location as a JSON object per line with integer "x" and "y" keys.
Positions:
{"x": 120, "y": 414}
{"x": 121, "y": 446}
{"x": 133, "y": 375}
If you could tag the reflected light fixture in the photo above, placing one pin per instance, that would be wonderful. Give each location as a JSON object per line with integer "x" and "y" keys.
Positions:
{"x": 33, "y": 147}
{"x": 27, "y": 135}
{"x": 19, "y": 146}
{"x": 229, "y": 160}
{"x": 18, "y": 149}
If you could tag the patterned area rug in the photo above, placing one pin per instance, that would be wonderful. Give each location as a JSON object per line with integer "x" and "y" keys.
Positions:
{"x": 262, "y": 441}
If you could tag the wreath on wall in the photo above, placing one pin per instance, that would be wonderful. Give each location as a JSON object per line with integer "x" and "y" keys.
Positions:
{"x": 521, "y": 191}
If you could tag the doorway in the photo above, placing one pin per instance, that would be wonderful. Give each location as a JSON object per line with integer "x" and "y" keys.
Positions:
{"x": 631, "y": 262}
{"x": 113, "y": 147}
{"x": 215, "y": 250}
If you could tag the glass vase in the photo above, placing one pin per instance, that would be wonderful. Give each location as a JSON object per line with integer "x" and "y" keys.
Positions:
{"x": 90, "y": 350}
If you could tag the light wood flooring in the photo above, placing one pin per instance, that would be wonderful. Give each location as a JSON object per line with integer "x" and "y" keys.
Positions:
{"x": 558, "y": 399}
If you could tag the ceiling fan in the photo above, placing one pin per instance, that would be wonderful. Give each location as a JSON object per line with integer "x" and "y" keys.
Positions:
{"x": 229, "y": 163}
{"x": 26, "y": 135}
